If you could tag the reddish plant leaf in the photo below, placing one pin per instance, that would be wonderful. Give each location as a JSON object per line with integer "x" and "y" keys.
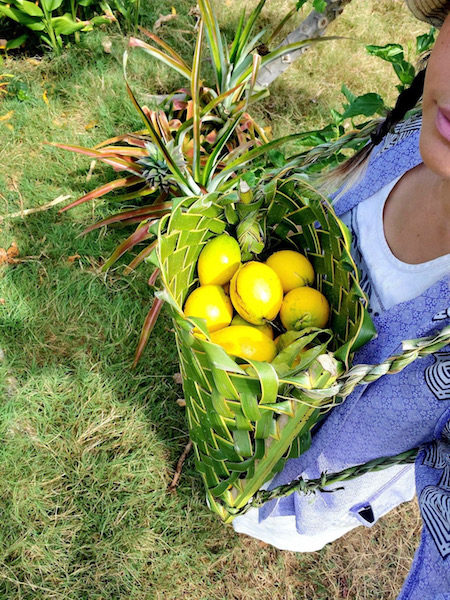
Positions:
{"x": 149, "y": 323}
{"x": 163, "y": 124}
{"x": 153, "y": 277}
{"x": 189, "y": 110}
{"x": 125, "y": 151}
{"x": 174, "y": 124}
{"x": 136, "y": 139}
{"x": 140, "y": 257}
{"x": 135, "y": 221}
{"x": 118, "y": 164}
{"x": 138, "y": 236}
{"x": 104, "y": 189}
{"x": 179, "y": 104}
{"x": 152, "y": 210}
{"x": 211, "y": 137}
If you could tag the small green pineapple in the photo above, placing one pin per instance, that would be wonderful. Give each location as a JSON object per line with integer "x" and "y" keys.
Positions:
{"x": 156, "y": 170}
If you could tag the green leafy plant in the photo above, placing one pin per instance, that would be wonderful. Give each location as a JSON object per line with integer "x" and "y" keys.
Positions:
{"x": 20, "y": 90}
{"x": 395, "y": 54}
{"x": 347, "y": 130}
{"x": 127, "y": 12}
{"x": 199, "y": 143}
{"x": 318, "y": 5}
{"x": 53, "y": 21}
{"x": 12, "y": 44}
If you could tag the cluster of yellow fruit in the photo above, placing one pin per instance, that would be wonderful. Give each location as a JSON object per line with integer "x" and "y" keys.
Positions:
{"x": 259, "y": 293}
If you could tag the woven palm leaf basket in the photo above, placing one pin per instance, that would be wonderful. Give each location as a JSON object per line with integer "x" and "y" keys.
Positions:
{"x": 246, "y": 421}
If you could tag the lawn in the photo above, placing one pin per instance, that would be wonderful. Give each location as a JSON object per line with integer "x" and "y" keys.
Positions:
{"x": 89, "y": 445}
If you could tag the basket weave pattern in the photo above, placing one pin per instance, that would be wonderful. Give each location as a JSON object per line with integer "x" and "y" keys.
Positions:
{"x": 246, "y": 423}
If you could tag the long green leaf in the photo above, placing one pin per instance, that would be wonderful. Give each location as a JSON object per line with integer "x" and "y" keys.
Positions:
{"x": 237, "y": 37}
{"x": 168, "y": 60}
{"x": 34, "y": 23}
{"x": 215, "y": 43}
{"x": 163, "y": 44}
{"x": 238, "y": 151}
{"x": 195, "y": 93}
{"x": 51, "y": 5}
{"x": 250, "y": 155}
{"x": 285, "y": 50}
{"x": 30, "y": 8}
{"x": 65, "y": 25}
{"x": 280, "y": 25}
{"x": 218, "y": 146}
{"x": 246, "y": 54}
{"x": 249, "y": 27}
{"x": 188, "y": 187}
{"x": 220, "y": 98}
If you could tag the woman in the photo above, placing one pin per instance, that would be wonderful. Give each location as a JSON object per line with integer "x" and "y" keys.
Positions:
{"x": 399, "y": 215}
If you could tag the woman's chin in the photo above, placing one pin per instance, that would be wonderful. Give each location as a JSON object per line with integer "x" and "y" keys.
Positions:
{"x": 435, "y": 151}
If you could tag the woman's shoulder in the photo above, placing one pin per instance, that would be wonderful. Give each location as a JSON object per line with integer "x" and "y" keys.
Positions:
{"x": 397, "y": 153}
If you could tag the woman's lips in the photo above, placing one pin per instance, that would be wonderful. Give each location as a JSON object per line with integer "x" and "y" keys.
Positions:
{"x": 443, "y": 122}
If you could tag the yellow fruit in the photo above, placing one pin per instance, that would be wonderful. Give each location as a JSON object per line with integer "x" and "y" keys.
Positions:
{"x": 246, "y": 342}
{"x": 293, "y": 269}
{"x": 210, "y": 302}
{"x": 219, "y": 260}
{"x": 265, "y": 328}
{"x": 256, "y": 292}
{"x": 304, "y": 307}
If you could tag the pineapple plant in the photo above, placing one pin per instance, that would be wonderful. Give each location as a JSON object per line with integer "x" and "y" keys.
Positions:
{"x": 200, "y": 141}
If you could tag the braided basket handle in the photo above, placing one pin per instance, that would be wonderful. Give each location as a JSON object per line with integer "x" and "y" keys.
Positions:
{"x": 412, "y": 349}
{"x": 310, "y": 486}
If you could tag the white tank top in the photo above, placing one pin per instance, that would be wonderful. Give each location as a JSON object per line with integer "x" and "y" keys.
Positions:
{"x": 393, "y": 281}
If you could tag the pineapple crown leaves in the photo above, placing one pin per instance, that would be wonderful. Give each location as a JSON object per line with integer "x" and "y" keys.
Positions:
{"x": 156, "y": 171}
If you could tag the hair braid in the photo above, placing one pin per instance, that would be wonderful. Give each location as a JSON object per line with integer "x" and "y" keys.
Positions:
{"x": 407, "y": 100}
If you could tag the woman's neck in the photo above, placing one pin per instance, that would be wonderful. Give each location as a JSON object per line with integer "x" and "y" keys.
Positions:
{"x": 416, "y": 216}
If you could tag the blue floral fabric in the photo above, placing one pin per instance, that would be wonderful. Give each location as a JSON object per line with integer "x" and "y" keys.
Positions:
{"x": 429, "y": 577}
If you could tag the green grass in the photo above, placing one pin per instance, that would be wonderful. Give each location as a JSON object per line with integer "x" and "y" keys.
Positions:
{"x": 89, "y": 445}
